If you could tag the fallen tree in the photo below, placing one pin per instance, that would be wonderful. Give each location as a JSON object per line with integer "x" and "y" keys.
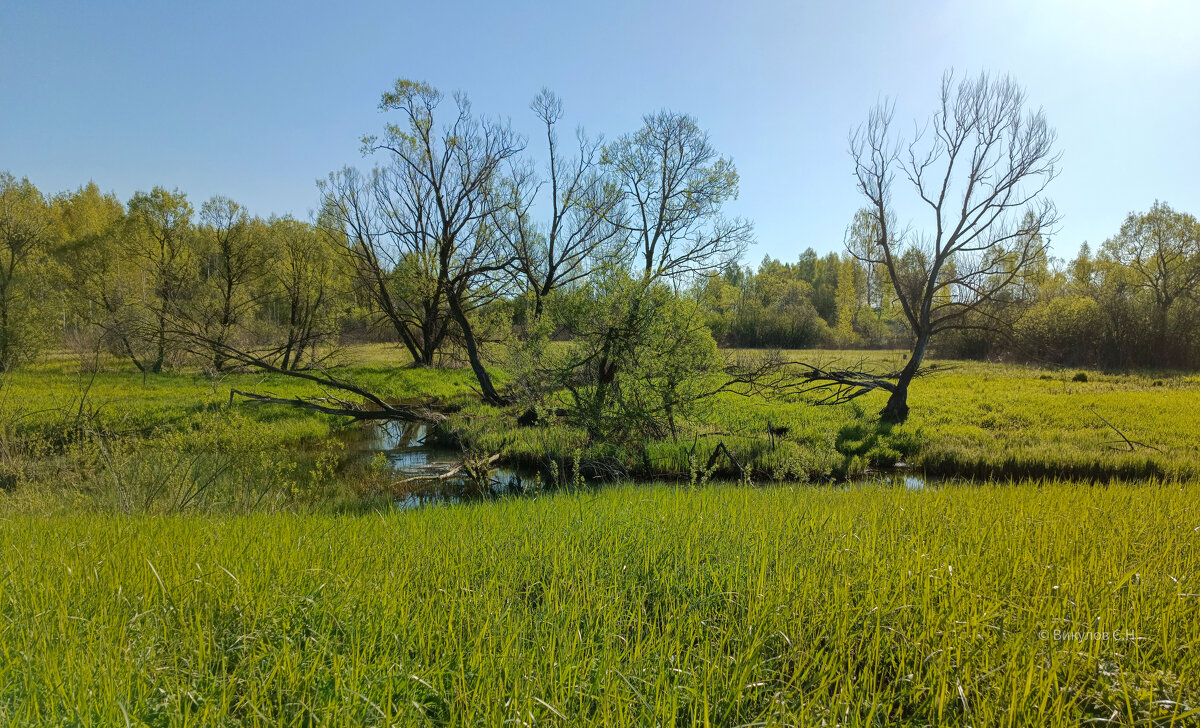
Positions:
{"x": 370, "y": 407}
{"x": 844, "y": 384}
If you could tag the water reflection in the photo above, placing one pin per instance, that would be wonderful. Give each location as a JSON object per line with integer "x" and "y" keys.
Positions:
{"x": 427, "y": 467}
{"x": 905, "y": 480}
{"x": 430, "y": 470}
{"x": 406, "y": 446}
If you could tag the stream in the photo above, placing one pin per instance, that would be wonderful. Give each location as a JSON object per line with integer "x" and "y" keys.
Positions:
{"x": 408, "y": 452}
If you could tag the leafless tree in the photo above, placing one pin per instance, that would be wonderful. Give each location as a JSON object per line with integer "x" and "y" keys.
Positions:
{"x": 383, "y": 225}
{"x": 584, "y": 220}
{"x": 453, "y": 172}
{"x": 979, "y": 169}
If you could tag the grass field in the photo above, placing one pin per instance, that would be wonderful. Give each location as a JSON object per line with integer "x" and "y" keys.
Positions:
{"x": 1024, "y": 604}
{"x": 173, "y": 560}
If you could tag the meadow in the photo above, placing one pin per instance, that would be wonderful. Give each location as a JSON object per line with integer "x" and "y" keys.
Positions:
{"x": 174, "y": 559}
{"x": 1029, "y": 603}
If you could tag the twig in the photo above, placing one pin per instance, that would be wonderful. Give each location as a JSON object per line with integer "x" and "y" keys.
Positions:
{"x": 1129, "y": 443}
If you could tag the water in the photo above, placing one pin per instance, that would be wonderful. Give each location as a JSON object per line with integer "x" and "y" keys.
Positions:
{"x": 899, "y": 478}
{"x": 410, "y": 451}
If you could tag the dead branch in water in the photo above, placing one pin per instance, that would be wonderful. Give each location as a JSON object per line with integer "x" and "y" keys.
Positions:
{"x": 448, "y": 474}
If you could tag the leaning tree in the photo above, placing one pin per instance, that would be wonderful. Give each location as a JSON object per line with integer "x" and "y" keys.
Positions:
{"x": 975, "y": 174}
{"x": 426, "y": 214}
{"x": 452, "y": 170}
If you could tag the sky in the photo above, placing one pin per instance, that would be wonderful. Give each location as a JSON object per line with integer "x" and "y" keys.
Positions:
{"x": 256, "y": 100}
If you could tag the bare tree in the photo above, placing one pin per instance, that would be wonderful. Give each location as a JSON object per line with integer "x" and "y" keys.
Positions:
{"x": 584, "y": 220}
{"x": 979, "y": 169}
{"x": 453, "y": 172}
{"x": 383, "y": 225}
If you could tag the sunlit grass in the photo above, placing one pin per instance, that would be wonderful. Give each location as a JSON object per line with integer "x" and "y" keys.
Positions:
{"x": 648, "y": 605}
{"x": 971, "y": 419}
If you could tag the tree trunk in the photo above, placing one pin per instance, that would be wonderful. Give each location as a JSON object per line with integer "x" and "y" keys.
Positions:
{"x": 160, "y": 354}
{"x": 490, "y": 394}
{"x": 160, "y": 342}
{"x": 896, "y": 409}
{"x": 1165, "y": 350}
{"x": 416, "y": 353}
{"x": 5, "y": 339}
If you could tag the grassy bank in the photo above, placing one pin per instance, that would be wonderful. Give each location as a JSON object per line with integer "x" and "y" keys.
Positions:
{"x": 972, "y": 419}
{"x": 1016, "y": 604}
{"x": 118, "y": 439}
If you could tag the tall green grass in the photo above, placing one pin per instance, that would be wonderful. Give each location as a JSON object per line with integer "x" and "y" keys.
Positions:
{"x": 645, "y": 605}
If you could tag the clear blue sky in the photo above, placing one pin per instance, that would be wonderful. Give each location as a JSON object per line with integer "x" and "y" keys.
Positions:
{"x": 256, "y": 100}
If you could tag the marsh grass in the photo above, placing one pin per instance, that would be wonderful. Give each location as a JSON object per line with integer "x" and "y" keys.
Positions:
{"x": 972, "y": 419}
{"x": 646, "y": 605}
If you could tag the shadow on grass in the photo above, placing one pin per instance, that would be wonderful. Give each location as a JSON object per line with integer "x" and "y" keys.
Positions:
{"x": 876, "y": 444}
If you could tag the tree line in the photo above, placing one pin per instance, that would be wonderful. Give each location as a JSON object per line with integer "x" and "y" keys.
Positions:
{"x": 85, "y": 272}
{"x": 463, "y": 234}
{"x": 453, "y": 241}
{"x": 1132, "y": 302}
